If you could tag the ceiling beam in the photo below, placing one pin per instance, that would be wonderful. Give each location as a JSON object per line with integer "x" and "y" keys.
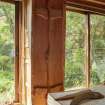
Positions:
{"x": 86, "y": 5}
{"x": 82, "y": 11}
{"x": 97, "y": 1}
{"x": 88, "y": 2}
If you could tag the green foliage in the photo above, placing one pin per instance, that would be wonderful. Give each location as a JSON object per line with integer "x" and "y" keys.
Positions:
{"x": 74, "y": 73}
{"x": 6, "y": 81}
{"x": 6, "y": 86}
{"x": 95, "y": 78}
{"x": 7, "y": 27}
{"x": 6, "y": 36}
{"x": 75, "y": 50}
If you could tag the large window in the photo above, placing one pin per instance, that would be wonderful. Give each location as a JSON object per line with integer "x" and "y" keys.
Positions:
{"x": 74, "y": 63}
{"x": 7, "y": 50}
{"x": 97, "y": 49}
{"x": 84, "y": 50}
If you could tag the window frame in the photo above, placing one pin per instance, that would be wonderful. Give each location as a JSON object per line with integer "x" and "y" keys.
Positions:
{"x": 18, "y": 45}
{"x": 87, "y": 12}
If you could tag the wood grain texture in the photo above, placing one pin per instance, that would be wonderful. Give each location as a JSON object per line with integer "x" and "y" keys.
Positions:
{"x": 39, "y": 4}
{"x": 56, "y": 51}
{"x": 93, "y": 2}
{"x": 39, "y": 55}
{"x": 39, "y": 50}
{"x": 56, "y": 44}
{"x": 87, "y": 5}
{"x": 57, "y": 4}
{"x": 47, "y": 49}
{"x": 22, "y": 81}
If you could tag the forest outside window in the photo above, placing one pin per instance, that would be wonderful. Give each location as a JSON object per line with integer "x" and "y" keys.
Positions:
{"x": 7, "y": 49}
{"x": 84, "y": 50}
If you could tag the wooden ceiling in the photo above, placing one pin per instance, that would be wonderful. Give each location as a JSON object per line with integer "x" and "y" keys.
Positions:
{"x": 83, "y": 6}
{"x": 96, "y": 6}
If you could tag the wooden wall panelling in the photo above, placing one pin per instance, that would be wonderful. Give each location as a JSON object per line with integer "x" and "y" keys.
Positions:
{"x": 47, "y": 49}
{"x": 39, "y": 48}
{"x": 56, "y": 47}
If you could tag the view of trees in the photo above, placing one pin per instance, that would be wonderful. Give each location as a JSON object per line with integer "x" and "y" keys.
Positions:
{"x": 75, "y": 51}
{"x": 7, "y": 18}
{"x": 98, "y": 49}
{"x": 74, "y": 59}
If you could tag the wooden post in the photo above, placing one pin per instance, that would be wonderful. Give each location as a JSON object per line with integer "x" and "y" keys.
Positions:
{"x": 24, "y": 72}
{"x": 20, "y": 54}
{"x": 56, "y": 45}
{"x": 22, "y": 88}
{"x": 39, "y": 52}
{"x": 47, "y": 49}
{"x": 28, "y": 16}
{"x": 25, "y": 53}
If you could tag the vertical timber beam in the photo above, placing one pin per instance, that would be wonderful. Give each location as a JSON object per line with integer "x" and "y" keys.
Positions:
{"x": 28, "y": 14}
{"x": 56, "y": 45}
{"x": 22, "y": 88}
{"x": 39, "y": 52}
{"x": 87, "y": 50}
{"x": 25, "y": 53}
{"x": 19, "y": 55}
{"x": 47, "y": 49}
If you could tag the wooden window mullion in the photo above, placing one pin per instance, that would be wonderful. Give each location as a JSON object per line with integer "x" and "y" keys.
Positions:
{"x": 87, "y": 50}
{"x": 16, "y": 52}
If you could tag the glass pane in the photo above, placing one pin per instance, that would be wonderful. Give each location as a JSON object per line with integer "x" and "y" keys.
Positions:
{"x": 98, "y": 49}
{"x": 7, "y": 14}
{"x": 74, "y": 50}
